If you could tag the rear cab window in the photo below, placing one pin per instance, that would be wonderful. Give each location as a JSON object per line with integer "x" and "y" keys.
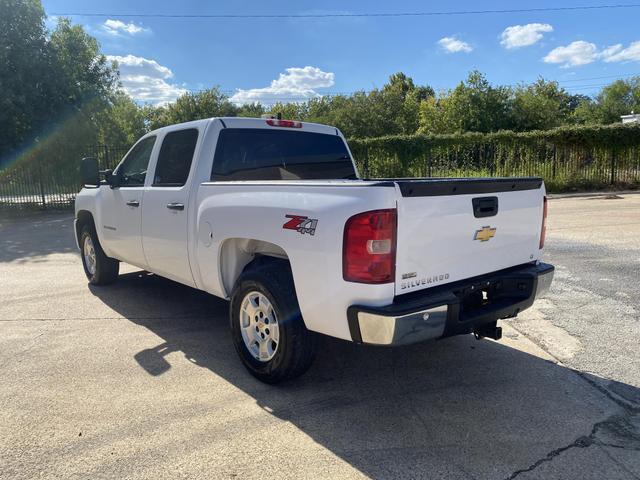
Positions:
{"x": 265, "y": 154}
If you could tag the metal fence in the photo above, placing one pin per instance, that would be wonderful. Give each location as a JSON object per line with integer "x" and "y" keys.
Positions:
{"x": 564, "y": 167}
{"x": 49, "y": 179}
{"x": 567, "y": 158}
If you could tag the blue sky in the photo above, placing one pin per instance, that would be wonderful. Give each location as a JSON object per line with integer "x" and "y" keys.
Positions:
{"x": 268, "y": 59}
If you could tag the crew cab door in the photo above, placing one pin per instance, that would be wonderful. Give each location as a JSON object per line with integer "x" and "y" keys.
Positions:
{"x": 165, "y": 213}
{"x": 122, "y": 206}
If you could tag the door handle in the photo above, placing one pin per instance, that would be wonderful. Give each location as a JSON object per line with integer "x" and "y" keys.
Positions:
{"x": 133, "y": 203}
{"x": 175, "y": 206}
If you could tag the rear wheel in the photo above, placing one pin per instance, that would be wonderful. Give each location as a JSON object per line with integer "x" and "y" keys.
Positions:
{"x": 99, "y": 269}
{"x": 267, "y": 327}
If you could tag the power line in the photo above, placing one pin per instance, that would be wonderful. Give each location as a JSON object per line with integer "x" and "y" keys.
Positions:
{"x": 599, "y": 78}
{"x": 346, "y": 15}
{"x": 588, "y": 87}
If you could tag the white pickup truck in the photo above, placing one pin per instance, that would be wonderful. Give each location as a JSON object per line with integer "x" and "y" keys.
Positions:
{"x": 271, "y": 215}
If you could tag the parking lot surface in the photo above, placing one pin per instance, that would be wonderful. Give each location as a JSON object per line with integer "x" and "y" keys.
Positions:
{"x": 140, "y": 379}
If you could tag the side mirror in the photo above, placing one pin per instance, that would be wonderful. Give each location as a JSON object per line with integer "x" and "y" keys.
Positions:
{"x": 112, "y": 180}
{"x": 89, "y": 172}
{"x": 109, "y": 177}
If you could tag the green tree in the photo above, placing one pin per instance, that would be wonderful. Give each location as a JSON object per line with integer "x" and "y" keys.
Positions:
{"x": 400, "y": 99}
{"x": 393, "y": 109}
{"x": 619, "y": 98}
{"x": 122, "y": 122}
{"x": 255, "y": 110}
{"x": 82, "y": 73}
{"x": 194, "y": 106}
{"x": 360, "y": 115}
{"x": 290, "y": 111}
{"x": 83, "y": 85}
{"x": 540, "y": 106}
{"x": 320, "y": 110}
{"x": 53, "y": 87}
{"x": 476, "y": 106}
{"x": 473, "y": 106}
{"x": 24, "y": 72}
{"x": 434, "y": 115}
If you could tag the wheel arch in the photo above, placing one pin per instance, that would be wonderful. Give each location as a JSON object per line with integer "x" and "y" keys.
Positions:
{"x": 83, "y": 218}
{"x": 237, "y": 253}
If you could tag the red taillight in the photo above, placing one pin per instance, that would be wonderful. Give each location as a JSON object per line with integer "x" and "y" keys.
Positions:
{"x": 543, "y": 232}
{"x": 369, "y": 249}
{"x": 283, "y": 123}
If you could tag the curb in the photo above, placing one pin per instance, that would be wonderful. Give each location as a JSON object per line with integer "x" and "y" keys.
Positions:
{"x": 560, "y": 196}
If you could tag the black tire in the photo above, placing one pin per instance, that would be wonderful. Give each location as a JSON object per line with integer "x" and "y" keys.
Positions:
{"x": 296, "y": 347}
{"x": 106, "y": 268}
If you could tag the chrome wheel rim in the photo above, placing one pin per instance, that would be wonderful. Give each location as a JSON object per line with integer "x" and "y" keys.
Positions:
{"x": 89, "y": 255}
{"x": 259, "y": 326}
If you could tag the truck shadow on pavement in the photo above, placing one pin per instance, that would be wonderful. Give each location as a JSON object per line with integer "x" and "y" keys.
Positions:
{"x": 454, "y": 408}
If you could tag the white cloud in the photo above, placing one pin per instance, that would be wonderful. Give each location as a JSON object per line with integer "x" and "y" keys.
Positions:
{"x": 574, "y": 54}
{"x": 145, "y": 80}
{"x": 454, "y": 45}
{"x": 582, "y": 53}
{"x": 518, "y": 36}
{"x": 611, "y": 52}
{"x": 617, "y": 53}
{"x": 295, "y": 84}
{"x": 119, "y": 28}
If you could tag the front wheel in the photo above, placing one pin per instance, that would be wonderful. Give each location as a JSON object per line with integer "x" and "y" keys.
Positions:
{"x": 266, "y": 325}
{"x": 99, "y": 269}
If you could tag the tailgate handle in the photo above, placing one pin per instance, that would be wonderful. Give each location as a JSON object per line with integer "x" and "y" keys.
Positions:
{"x": 485, "y": 207}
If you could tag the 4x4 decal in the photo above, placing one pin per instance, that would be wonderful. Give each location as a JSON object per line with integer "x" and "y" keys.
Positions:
{"x": 301, "y": 224}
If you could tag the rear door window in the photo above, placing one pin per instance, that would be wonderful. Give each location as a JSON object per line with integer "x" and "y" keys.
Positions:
{"x": 263, "y": 154}
{"x": 174, "y": 160}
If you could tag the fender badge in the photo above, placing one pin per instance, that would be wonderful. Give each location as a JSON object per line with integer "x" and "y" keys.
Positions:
{"x": 485, "y": 234}
{"x": 301, "y": 224}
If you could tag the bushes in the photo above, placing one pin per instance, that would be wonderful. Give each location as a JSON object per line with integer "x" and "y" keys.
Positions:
{"x": 568, "y": 158}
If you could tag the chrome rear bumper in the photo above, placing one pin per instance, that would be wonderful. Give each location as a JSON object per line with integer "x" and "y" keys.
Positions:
{"x": 453, "y": 309}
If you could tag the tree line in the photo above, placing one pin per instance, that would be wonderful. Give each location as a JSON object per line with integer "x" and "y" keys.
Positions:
{"x": 401, "y": 107}
{"x": 57, "y": 86}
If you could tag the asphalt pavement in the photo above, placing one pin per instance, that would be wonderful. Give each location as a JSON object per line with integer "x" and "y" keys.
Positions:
{"x": 140, "y": 379}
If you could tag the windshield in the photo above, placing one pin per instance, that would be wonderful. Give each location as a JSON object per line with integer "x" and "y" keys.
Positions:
{"x": 263, "y": 154}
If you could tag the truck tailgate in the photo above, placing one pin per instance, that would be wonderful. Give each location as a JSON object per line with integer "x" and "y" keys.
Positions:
{"x": 452, "y": 229}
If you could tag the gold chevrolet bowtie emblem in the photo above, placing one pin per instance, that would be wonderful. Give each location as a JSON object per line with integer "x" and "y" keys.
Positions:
{"x": 485, "y": 234}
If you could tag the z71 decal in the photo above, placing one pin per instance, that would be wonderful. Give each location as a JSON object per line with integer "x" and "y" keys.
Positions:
{"x": 301, "y": 224}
